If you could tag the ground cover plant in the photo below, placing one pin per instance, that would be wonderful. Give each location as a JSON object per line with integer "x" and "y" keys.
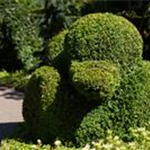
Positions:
{"x": 101, "y": 83}
{"x": 17, "y": 80}
{"x": 140, "y": 141}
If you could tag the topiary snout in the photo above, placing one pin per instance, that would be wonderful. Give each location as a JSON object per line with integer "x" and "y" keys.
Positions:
{"x": 96, "y": 80}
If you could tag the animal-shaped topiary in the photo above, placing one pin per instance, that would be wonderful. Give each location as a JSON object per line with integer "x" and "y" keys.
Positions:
{"x": 101, "y": 83}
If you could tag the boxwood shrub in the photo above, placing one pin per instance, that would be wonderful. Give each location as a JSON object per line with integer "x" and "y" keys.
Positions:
{"x": 129, "y": 107}
{"x": 106, "y": 54}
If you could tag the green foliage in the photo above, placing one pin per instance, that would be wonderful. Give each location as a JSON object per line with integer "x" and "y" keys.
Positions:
{"x": 106, "y": 55}
{"x": 94, "y": 125}
{"x": 38, "y": 102}
{"x": 129, "y": 107}
{"x": 56, "y": 54}
{"x": 3, "y": 74}
{"x": 17, "y": 145}
{"x": 20, "y": 29}
{"x": 18, "y": 79}
{"x": 97, "y": 80}
{"x": 138, "y": 12}
{"x": 52, "y": 108}
{"x": 104, "y": 37}
{"x": 140, "y": 141}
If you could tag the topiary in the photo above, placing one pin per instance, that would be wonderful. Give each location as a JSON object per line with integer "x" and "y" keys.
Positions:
{"x": 106, "y": 83}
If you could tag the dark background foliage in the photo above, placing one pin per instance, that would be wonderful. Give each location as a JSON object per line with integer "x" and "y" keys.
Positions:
{"x": 19, "y": 34}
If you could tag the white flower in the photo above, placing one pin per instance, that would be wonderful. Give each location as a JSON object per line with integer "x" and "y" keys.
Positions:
{"x": 57, "y": 143}
{"x": 34, "y": 146}
{"x": 107, "y": 146}
{"x": 87, "y": 147}
{"x": 132, "y": 144}
{"x": 116, "y": 138}
{"x": 93, "y": 149}
{"x": 39, "y": 141}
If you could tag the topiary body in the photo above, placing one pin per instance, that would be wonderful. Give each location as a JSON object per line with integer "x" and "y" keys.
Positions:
{"x": 104, "y": 82}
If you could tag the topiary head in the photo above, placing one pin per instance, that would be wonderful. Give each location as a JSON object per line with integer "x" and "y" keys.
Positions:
{"x": 104, "y": 37}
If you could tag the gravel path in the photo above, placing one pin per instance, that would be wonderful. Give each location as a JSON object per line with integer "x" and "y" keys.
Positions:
{"x": 10, "y": 110}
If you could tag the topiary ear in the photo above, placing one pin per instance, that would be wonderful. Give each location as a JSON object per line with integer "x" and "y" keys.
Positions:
{"x": 56, "y": 45}
{"x": 56, "y": 54}
{"x": 97, "y": 80}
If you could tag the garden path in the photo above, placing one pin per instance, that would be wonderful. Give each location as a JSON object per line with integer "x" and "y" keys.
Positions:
{"x": 10, "y": 110}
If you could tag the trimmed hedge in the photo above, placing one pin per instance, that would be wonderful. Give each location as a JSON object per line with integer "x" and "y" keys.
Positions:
{"x": 97, "y": 80}
{"x": 106, "y": 55}
{"x": 51, "y": 107}
{"x": 104, "y": 37}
